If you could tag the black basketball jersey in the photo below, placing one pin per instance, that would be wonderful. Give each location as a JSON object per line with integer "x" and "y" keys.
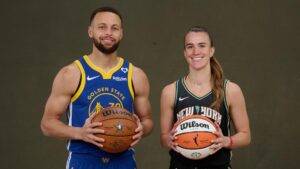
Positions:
{"x": 186, "y": 103}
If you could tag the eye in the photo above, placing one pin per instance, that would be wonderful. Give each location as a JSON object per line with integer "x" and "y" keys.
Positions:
{"x": 202, "y": 45}
{"x": 101, "y": 27}
{"x": 189, "y": 46}
{"x": 115, "y": 28}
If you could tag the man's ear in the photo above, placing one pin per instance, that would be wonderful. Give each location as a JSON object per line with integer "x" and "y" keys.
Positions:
{"x": 90, "y": 31}
{"x": 121, "y": 37}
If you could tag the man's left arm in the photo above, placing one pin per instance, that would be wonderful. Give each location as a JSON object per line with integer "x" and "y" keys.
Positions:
{"x": 141, "y": 104}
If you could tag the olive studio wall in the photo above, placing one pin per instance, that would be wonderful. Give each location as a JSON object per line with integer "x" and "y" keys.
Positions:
{"x": 256, "y": 43}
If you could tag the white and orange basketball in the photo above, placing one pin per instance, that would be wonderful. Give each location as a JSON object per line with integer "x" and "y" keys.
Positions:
{"x": 194, "y": 135}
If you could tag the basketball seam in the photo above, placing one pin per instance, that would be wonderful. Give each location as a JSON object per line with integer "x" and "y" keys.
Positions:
{"x": 118, "y": 136}
{"x": 115, "y": 118}
{"x": 195, "y": 132}
{"x": 193, "y": 148}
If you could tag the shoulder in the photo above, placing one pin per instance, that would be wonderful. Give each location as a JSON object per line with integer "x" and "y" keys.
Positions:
{"x": 69, "y": 72}
{"x": 169, "y": 88}
{"x": 138, "y": 72}
{"x": 67, "y": 78}
{"x": 139, "y": 75}
{"x": 168, "y": 92}
{"x": 233, "y": 91}
{"x": 140, "y": 81}
{"x": 168, "y": 95}
{"x": 232, "y": 88}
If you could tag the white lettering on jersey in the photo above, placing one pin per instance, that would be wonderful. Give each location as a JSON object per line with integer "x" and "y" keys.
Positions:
{"x": 116, "y": 78}
{"x": 200, "y": 110}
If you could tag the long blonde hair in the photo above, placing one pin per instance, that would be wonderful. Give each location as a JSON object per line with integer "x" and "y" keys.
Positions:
{"x": 216, "y": 72}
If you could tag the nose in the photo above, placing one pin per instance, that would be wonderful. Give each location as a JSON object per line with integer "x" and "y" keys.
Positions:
{"x": 196, "y": 51}
{"x": 108, "y": 31}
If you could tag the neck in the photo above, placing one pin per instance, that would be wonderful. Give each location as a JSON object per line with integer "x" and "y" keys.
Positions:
{"x": 200, "y": 77}
{"x": 105, "y": 61}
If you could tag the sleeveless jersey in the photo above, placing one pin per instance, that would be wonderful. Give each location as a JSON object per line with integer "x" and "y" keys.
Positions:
{"x": 186, "y": 103}
{"x": 99, "y": 89}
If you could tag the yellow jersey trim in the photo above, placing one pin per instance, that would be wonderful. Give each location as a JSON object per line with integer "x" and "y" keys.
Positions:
{"x": 130, "y": 86}
{"x": 105, "y": 75}
{"x": 82, "y": 82}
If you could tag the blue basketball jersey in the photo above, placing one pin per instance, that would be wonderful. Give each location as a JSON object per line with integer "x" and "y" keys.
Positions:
{"x": 99, "y": 89}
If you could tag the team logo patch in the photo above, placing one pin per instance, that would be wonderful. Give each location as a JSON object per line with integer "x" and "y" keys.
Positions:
{"x": 124, "y": 69}
{"x": 105, "y": 97}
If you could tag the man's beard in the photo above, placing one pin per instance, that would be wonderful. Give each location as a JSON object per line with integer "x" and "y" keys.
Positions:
{"x": 103, "y": 49}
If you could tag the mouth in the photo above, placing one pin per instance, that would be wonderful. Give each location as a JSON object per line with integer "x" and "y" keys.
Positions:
{"x": 108, "y": 40}
{"x": 197, "y": 58}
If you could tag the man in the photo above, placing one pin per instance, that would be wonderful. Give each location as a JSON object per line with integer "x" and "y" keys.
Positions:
{"x": 100, "y": 79}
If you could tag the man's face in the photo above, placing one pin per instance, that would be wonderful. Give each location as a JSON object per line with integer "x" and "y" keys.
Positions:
{"x": 106, "y": 32}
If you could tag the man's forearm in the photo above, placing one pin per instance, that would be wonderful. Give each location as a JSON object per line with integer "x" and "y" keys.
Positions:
{"x": 57, "y": 129}
{"x": 147, "y": 126}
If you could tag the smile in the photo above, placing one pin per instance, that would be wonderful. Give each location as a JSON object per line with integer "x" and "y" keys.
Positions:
{"x": 197, "y": 58}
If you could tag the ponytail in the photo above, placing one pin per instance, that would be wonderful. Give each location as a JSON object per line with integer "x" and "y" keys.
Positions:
{"x": 217, "y": 86}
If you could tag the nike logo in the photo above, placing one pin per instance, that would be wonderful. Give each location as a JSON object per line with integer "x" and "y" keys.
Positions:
{"x": 91, "y": 78}
{"x": 182, "y": 98}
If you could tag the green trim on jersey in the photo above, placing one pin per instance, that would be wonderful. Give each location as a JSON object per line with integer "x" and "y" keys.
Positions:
{"x": 225, "y": 100}
{"x": 196, "y": 97}
{"x": 228, "y": 113}
{"x": 176, "y": 93}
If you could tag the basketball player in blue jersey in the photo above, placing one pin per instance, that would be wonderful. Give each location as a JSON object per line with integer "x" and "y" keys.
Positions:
{"x": 216, "y": 98}
{"x": 97, "y": 80}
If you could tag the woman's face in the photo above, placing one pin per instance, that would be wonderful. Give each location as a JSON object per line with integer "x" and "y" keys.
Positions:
{"x": 198, "y": 49}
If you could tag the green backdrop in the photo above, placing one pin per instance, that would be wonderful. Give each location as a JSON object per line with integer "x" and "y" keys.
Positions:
{"x": 256, "y": 43}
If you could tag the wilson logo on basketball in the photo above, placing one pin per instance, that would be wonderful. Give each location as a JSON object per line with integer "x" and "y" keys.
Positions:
{"x": 193, "y": 124}
{"x": 113, "y": 111}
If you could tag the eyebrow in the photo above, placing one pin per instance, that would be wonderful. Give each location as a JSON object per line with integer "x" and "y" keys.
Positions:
{"x": 102, "y": 23}
{"x": 201, "y": 43}
{"x": 116, "y": 25}
{"x": 188, "y": 44}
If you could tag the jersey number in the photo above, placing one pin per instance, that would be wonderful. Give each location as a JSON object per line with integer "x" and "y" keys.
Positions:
{"x": 115, "y": 104}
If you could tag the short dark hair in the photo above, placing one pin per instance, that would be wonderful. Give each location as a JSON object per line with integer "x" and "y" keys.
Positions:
{"x": 105, "y": 9}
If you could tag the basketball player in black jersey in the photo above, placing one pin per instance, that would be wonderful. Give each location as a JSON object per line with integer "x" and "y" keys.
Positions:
{"x": 216, "y": 98}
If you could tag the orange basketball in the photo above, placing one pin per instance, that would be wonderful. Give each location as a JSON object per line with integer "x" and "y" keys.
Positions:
{"x": 194, "y": 135}
{"x": 119, "y": 126}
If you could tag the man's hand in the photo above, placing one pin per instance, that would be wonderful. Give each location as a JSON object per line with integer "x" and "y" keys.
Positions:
{"x": 139, "y": 131}
{"x": 86, "y": 133}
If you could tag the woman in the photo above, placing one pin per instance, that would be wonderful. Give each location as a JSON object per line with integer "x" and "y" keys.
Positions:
{"x": 204, "y": 86}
